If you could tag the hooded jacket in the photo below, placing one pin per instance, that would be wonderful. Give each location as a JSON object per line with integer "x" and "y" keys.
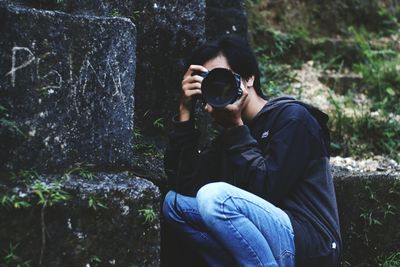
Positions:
{"x": 282, "y": 155}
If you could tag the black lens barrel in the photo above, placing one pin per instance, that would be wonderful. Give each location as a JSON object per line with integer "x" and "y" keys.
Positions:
{"x": 220, "y": 87}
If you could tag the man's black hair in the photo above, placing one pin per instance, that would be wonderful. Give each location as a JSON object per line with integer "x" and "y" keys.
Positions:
{"x": 238, "y": 53}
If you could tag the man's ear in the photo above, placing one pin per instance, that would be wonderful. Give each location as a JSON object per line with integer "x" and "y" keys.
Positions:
{"x": 250, "y": 82}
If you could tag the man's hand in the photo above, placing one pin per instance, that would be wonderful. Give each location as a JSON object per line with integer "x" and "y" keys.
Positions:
{"x": 191, "y": 88}
{"x": 231, "y": 115}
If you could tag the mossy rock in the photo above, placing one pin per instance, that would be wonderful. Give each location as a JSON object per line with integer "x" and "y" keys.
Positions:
{"x": 101, "y": 219}
{"x": 369, "y": 212}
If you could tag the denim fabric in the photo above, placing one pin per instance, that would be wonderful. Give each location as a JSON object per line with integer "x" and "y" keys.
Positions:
{"x": 228, "y": 226}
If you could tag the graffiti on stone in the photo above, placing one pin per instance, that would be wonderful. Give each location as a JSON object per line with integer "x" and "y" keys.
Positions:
{"x": 54, "y": 78}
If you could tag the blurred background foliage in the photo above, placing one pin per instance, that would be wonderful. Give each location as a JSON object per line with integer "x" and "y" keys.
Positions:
{"x": 341, "y": 56}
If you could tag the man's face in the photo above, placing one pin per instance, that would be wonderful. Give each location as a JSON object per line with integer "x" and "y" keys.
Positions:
{"x": 229, "y": 115}
{"x": 221, "y": 62}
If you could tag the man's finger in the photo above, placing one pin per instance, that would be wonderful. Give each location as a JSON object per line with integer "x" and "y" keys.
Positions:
{"x": 208, "y": 108}
{"x": 195, "y": 78}
{"x": 193, "y": 68}
{"x": 193, "y": 92}
{"x": 191, "y": 86}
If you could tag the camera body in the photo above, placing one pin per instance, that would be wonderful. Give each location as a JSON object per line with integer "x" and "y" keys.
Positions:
{"x": 220, "y": 87}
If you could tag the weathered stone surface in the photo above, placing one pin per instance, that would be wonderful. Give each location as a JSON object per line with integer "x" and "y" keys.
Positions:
{"x": 85, "y": 7}
{"x": 369, "y": 212}
{"x": 167, "y": 33}
{"x": 108, "y": 220}
{"x": 67, "y": 86}
{"x": 170, "y": 31}
{"x": 225, "y": 16}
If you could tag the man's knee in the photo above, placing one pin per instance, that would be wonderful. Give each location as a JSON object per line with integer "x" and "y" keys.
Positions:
{"x": 209, "y": 199}
{"x": 210, "y": 192}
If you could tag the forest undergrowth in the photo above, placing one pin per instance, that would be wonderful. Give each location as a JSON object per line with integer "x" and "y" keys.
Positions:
{"x": 350, "y": 70}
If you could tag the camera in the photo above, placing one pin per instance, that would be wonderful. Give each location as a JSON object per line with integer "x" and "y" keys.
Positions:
{"x": 220, "y": 87}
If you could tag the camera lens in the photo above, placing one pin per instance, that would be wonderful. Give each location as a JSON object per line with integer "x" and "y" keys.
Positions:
{"x": 220, "y": 88}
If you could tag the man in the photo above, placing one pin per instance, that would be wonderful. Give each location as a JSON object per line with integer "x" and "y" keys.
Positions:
{"x": 261, "y": 194}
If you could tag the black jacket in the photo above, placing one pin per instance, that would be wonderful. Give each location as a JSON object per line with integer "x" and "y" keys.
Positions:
{"x": 281, "y": 156}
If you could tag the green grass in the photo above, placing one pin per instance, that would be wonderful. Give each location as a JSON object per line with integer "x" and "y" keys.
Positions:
{"x": 275, "y": 78}
{"x": 392, "y": 260}
{"x": 11, "y": 258}
{"x": 362, "y": 135}
{"x": 380, "y": 68}
{"x": 49, "y": 195}
{"x": 95, "y": 203}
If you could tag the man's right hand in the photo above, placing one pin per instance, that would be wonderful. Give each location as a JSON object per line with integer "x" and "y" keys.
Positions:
{"x": 191, "y": 87}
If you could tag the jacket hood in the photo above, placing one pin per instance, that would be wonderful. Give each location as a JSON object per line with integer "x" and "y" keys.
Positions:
{"x": 321, "y": 117}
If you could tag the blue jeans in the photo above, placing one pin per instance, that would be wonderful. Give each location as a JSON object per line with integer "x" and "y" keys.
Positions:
{"x": 229, "y": 226}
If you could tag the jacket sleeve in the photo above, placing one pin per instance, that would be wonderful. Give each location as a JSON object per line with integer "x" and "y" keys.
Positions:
{"x": 272, "y": 169}
{"x": 186, "y": 168}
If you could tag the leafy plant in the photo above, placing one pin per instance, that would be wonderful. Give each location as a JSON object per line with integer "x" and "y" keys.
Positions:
{"x": 95, "y": 260}
{"x": 25, "y": 175}
{"x": 146, "y": 149}
{"x": 9, "y": 124}
{"x": 6, "y": 123}
{"x": 79, "y": 171}
{"x": 12, "y": 259}
{"x": 49, "y": 194}
{"x": 86, "y": 174}
{"x": 380, "y": 71}
{"x": 158, "y": 123}
{"x": 135, "y": 15}
{"x": 12, "y": 126}
{"x": 137, "y": 133}
{"x": 363, "y": 134}
{"x": 14, "y": 201}
{"x": 2, "y": 109}
{"x": 95, "y": 203}
{"x": 141, "y": 146}
{"x": 115, "y": 13}
{"x": 148, "y": 214}
{"x": 392, "y": 261}
{"x": 278, "y": 44}
{"x": 275, "y": 78}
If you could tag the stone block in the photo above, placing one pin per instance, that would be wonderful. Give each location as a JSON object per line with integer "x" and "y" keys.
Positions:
{"x": 101, "y": 219}
{"x": 66, "y": 89}
{"x": 369, "y": 213}
{"x": 224, "y": 16}
{"x": 167, "y": 33}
